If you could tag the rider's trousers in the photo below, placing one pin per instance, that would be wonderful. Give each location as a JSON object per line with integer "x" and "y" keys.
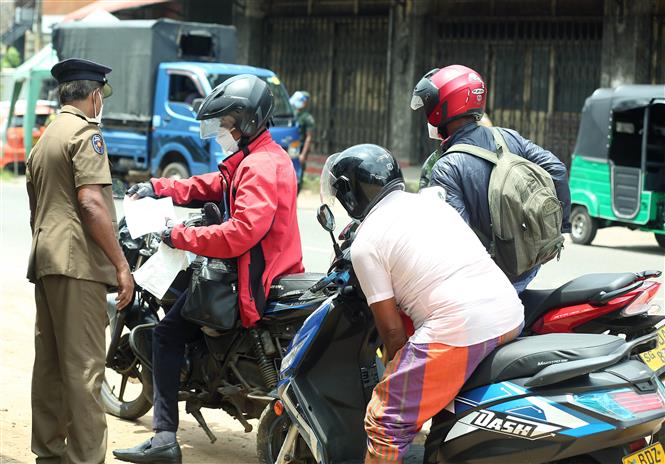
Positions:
{"x": 168, "y": 352}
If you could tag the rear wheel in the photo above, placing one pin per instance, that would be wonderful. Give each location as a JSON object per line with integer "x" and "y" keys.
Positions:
{"x": 175, "y": 170}
{"x": 660, "y": 238}
{"x": 584, "y": 227}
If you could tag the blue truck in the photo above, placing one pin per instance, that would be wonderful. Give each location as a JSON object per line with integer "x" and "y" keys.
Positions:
{"x": 159, "y": 69}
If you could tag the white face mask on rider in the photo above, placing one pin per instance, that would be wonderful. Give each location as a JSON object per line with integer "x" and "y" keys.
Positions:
{"x": 98, "y": 117}
{"x": 226, "y": 141}
{"x": 433, "y": 132}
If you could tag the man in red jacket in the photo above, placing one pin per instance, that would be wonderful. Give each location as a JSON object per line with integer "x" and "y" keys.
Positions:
{"x": 259, "y": 183}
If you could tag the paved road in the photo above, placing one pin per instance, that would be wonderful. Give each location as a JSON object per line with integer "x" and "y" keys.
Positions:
{"x": 613, "y": 250}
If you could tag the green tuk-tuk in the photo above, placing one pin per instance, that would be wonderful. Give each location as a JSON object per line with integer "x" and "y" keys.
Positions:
{"x": 617, "y": 174}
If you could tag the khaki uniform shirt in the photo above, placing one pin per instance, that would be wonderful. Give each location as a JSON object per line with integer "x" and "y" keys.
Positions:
{"x": 71, "y": 153}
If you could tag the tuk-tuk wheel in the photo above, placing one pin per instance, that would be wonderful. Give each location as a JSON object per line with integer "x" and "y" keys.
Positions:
{"x": 660, "y": 238}
{"x": 583, "y": 226}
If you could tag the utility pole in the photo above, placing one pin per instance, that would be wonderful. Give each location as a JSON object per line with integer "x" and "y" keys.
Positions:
{"x": 37, "y": 25}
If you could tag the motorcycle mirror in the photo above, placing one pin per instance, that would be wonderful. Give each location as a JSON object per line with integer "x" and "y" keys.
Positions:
{"x": 326, "y": 218}
{"x": 196, "y": 104}
{"x": 118, "y": 188}
{"x": 349, "y": 230}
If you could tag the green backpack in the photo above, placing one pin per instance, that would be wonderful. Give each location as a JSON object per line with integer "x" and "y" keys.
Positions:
{"x": 525, "y": 212}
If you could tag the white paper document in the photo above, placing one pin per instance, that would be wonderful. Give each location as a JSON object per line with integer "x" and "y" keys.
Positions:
{"x": 158, "y": 272}
{"x": 147, "y": 215}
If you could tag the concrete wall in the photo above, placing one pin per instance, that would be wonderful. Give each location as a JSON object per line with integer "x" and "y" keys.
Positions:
{"x": 626, "y": 42}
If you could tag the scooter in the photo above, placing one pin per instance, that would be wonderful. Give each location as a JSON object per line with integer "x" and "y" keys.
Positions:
{"x": 565, "y": 398}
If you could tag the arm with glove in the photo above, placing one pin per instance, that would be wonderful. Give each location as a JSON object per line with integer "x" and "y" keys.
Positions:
{"x": 254, "y": 209}
{"x": 206, "y": 187}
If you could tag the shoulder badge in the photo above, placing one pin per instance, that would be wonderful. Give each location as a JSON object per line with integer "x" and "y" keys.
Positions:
{"x": 98, "y": 144}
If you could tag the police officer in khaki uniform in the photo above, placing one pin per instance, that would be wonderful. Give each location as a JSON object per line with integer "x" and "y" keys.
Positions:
{"x": 75, "y": 256}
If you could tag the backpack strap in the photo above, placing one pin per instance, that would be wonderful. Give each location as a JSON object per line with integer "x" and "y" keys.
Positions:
{"x": 475, "y": 151}
{"x": 500, "y": 141}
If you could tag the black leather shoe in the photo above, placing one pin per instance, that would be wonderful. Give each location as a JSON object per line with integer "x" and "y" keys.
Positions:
{"x": 145, "y": 453}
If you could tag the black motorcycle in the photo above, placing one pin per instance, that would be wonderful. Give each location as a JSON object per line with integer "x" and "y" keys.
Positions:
{"x": 234, "y": 370}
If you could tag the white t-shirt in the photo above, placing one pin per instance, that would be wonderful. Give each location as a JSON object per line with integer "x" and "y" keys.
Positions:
{"x": 418, "y": 249}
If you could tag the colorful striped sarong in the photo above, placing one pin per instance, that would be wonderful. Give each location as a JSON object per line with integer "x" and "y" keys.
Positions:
{"x": 419, "y": 382}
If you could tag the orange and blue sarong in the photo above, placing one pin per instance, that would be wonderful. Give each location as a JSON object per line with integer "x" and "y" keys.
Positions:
{"x": 419, "y": 382}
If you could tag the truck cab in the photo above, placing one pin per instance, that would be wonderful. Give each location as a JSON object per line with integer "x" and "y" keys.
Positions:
{"x": 172, "y": 147}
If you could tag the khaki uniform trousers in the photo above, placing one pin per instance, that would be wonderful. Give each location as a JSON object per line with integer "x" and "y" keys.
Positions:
{"x": 68, "y": 421}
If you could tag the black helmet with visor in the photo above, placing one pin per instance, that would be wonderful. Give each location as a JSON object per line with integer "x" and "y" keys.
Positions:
{"x": 359, "y": 177}
{"x": 245, "y": 99}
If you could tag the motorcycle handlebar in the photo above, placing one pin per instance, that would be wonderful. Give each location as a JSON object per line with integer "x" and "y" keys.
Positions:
{"x": 320, "y": 285}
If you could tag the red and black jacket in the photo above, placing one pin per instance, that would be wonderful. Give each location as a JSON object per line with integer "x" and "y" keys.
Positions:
{"x": 262, "y": 231}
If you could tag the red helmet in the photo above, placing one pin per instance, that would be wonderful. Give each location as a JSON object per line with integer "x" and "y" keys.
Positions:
{"x": 450, "y": 93}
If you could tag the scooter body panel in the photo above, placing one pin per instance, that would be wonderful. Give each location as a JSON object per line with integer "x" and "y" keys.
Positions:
{"x": 508, "y": 423}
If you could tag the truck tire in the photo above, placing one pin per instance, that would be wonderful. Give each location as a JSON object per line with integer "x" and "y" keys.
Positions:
{"x": 583, "y": 227}
{"x": 660, "y": 238}
{"x": 175, "y": 170}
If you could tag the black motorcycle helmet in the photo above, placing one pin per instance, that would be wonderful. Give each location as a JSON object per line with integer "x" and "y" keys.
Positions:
{"x": 359, "y": 177}
{"x": 245, "y": 98}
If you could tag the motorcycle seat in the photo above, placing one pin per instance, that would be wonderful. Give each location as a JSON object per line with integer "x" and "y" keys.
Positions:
{"x": 577, "y": 291}
{"x": 525, "y": 357}
{"x": 292, "y": 285}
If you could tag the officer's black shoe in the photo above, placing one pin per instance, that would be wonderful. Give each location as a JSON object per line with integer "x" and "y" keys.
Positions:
{"x": 145, "y": 453}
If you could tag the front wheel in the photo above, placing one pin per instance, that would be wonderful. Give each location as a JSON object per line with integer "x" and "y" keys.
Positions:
{"x": 660, "y": 238}
{"x": 125, "y": 392}
{"x": 271, "y": 435}
{"x": 117, "y": 404}
{"x": 584, "y": 227}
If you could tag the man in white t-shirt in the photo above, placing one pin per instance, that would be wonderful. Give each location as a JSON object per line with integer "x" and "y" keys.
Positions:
{"x": 415, "y": 254}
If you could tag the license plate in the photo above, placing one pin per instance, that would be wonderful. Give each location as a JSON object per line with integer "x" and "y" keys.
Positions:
{"x": 655, "y": 358}
{"x": 654, "y": 454}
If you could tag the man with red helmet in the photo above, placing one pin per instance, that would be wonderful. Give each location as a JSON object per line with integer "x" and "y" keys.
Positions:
{"x": 453, "y": 99}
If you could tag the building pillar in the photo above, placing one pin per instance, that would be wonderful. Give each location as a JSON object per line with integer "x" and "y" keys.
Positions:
{"x": 248, "y": 16}
{"x": 406, "y": 65}
{"x": 626, "y": 42}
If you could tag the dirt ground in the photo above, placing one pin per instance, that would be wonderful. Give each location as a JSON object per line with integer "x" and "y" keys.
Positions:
{"x": 17, "y": 354}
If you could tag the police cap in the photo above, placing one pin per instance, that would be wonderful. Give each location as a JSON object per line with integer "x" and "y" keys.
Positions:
{"x": 77, "y": 69}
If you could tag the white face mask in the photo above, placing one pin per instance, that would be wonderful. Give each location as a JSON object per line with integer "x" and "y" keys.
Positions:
{"x": 226, "y": 141}
{"x": 98, "y": 117}
{"x": 433, "y": 132}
